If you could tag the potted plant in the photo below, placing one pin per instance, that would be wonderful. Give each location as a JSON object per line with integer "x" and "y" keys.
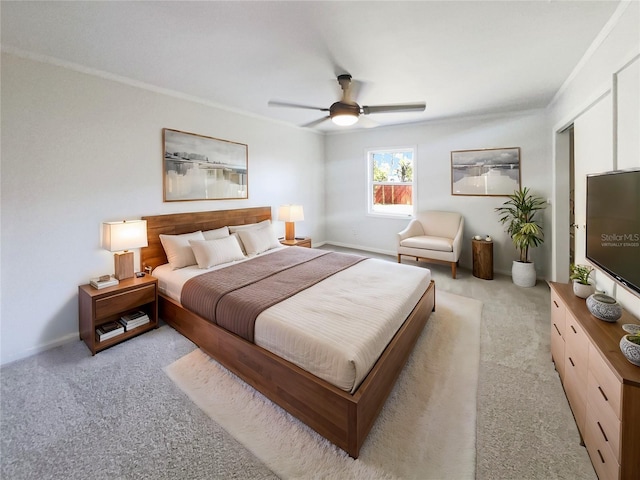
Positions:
{"x": 581, "y": 276}
{"x": 630, "y": 344}
{"x": 519, "y": 214}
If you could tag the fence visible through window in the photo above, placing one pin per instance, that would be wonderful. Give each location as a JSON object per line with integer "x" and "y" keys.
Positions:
{"x": 391, "y": 174}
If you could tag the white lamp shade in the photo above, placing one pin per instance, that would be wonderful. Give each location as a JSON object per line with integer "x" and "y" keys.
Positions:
{"x": 119, "y": 236}
{"x": 290, "y": 213}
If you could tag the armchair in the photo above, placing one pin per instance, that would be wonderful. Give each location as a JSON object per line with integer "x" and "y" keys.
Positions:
{"x": 433, "y": 236}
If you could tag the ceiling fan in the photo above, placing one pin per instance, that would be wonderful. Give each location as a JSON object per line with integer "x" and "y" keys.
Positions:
{"x": 346, "y": 111}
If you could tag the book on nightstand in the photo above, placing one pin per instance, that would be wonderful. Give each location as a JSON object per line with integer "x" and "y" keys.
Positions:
{"x": 109, "y": 330}
{"x": 101, "y": 282}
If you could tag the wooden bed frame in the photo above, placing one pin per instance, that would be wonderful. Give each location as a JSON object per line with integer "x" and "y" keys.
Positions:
{"x": 342, "y": 418}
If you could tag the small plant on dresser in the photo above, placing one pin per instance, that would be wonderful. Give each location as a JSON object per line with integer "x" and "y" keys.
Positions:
{"x": 581, "y": 276}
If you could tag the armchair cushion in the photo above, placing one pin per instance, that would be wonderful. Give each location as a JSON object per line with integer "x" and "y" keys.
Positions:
{"x": 429, "y": 243}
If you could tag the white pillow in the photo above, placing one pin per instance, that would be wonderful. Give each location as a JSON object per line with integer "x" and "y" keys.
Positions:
{"x": 237, "y": 237}
{"x": 215, "y": 234}
{"x": 210, "y": 253}
{"x": 248, "y": 226}
{"x": 178, "y": 250}
{"x": 258, "y": 240}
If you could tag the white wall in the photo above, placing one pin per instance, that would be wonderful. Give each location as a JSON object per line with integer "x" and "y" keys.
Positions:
{"x": 627, "y": 82}
{"x": 346, "y": 206}
{"x": 593, "y": 154}
{"x": 602, "y": 100}
{"x": 78, "y": 150}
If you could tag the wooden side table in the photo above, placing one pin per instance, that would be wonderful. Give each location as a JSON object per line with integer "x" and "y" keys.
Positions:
{"x": 298, "y": 242}
{"x": 97, "y": 307}
{"x": 482, "y": 259}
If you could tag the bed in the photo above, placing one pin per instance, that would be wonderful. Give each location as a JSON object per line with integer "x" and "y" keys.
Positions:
{"x": 342, "y": 417}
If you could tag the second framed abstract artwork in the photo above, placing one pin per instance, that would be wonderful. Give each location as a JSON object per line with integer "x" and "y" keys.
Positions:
{"x": 203, "y": 168}
{"x": 488, "y": 172}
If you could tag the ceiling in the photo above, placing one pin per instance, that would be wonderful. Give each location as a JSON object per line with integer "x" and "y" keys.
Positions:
{"x": 461, "y": 58}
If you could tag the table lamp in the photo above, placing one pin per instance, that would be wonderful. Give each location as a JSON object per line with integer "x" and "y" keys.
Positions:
{"x": 290, "y": 214}
{"x": 119, "y": 237}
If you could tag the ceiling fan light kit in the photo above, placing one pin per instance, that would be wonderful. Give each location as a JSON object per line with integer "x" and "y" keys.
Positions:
{"x": 346, "y": 112}
{"x": 344, "y": 120}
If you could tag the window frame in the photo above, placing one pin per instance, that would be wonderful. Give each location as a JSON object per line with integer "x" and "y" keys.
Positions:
{"x": 369, "y": 152}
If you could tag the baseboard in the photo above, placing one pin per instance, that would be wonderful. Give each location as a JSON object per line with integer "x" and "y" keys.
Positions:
{"x": 393, "y": 254}
{"x": 364, "y": 249}
{"x": 41, "y": 348}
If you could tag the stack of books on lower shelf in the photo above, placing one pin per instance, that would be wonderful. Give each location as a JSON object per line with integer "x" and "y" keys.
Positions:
{"x": 108, "y": 330}
{"x": 133, "y": 320}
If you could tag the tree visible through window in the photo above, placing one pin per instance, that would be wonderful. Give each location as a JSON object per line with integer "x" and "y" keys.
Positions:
{"x": 391, "y": 189}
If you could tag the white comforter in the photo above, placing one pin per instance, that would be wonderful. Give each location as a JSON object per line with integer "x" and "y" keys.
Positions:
{"x": 337, "y": 328}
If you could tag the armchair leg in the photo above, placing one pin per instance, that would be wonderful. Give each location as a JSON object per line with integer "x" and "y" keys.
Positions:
{"x": 399, "y": 258}
{"x": 453, "y": 269}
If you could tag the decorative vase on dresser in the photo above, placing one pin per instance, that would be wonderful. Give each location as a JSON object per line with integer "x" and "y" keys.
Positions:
{"x": 602, "y": 386}
{"x": 604, "y": 307}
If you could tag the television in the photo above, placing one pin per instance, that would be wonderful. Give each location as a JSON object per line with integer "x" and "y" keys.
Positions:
{"x": 613, "y": 225}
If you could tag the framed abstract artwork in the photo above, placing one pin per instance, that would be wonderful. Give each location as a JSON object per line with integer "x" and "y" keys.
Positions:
{"x": 487, "y": 172}
{"x": 196, "y": 167}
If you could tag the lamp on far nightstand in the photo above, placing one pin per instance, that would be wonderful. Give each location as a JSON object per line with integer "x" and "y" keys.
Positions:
{"x": 290, "y": 214}
{"x": 119, "y": 237}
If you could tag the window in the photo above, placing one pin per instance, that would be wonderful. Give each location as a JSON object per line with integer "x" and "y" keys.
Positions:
{"x": 391, "y": 191}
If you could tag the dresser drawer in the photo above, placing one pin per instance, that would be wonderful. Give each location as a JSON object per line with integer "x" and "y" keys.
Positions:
{"x": 576, "y": 389}
{"x": 576, "y": 341}
{"x": 557, "y": 350}
{"x": 608, "y": 384}
{"x": 576, "y": 352}
{"x": 558, "y": 314}
{"x": 602, "y": 458}
{"x": 116, "y": 304}
{"x": 607, "y": 423}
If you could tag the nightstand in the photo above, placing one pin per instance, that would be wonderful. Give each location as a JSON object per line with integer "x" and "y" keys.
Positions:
{"x": 298, "y": 242}
{"x": 97, "y": 307}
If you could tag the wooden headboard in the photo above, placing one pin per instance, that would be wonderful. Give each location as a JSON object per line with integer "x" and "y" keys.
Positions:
{"x": 178, "y": 223}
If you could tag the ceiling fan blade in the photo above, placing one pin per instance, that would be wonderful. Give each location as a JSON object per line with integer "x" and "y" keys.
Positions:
{"x": 407, "y": 107}
{"x": 315, "y": 122}
{"x": 273, "y": 103}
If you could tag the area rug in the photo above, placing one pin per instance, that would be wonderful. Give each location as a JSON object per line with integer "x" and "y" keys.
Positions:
{"x": 426, "y": 430}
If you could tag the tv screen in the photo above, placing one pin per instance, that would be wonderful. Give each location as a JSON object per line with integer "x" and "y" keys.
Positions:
{"x": 613, "y": 225}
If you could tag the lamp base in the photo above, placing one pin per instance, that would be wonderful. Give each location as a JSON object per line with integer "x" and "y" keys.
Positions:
{"x": 289, "y": 230}
{"x": 123, "y": 265}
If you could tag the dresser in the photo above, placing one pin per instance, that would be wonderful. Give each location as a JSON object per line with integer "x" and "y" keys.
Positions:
{"x": 602, "y": 386}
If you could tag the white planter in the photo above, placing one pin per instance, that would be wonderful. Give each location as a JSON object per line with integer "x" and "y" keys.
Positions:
{"x": 523, "y": 274}
{"x": 583, "y": 291}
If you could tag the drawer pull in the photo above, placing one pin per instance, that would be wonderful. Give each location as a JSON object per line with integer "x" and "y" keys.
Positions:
{"x": 572, "y": 364}
{"x": 603, "y": 434}
{"x": 605, "y": 397}
{"x": 574, "y": 330}
{"x": 557, "y": 330}
{"x": 556, "y": 304}
{"x": 601, "y": 457}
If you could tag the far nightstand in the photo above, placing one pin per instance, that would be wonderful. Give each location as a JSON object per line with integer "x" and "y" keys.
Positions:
{"x": 97, "y": 307}
{"x": 298, "y": 242}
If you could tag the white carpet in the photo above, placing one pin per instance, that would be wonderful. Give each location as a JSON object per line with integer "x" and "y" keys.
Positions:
{"x": 426, "y": 430}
